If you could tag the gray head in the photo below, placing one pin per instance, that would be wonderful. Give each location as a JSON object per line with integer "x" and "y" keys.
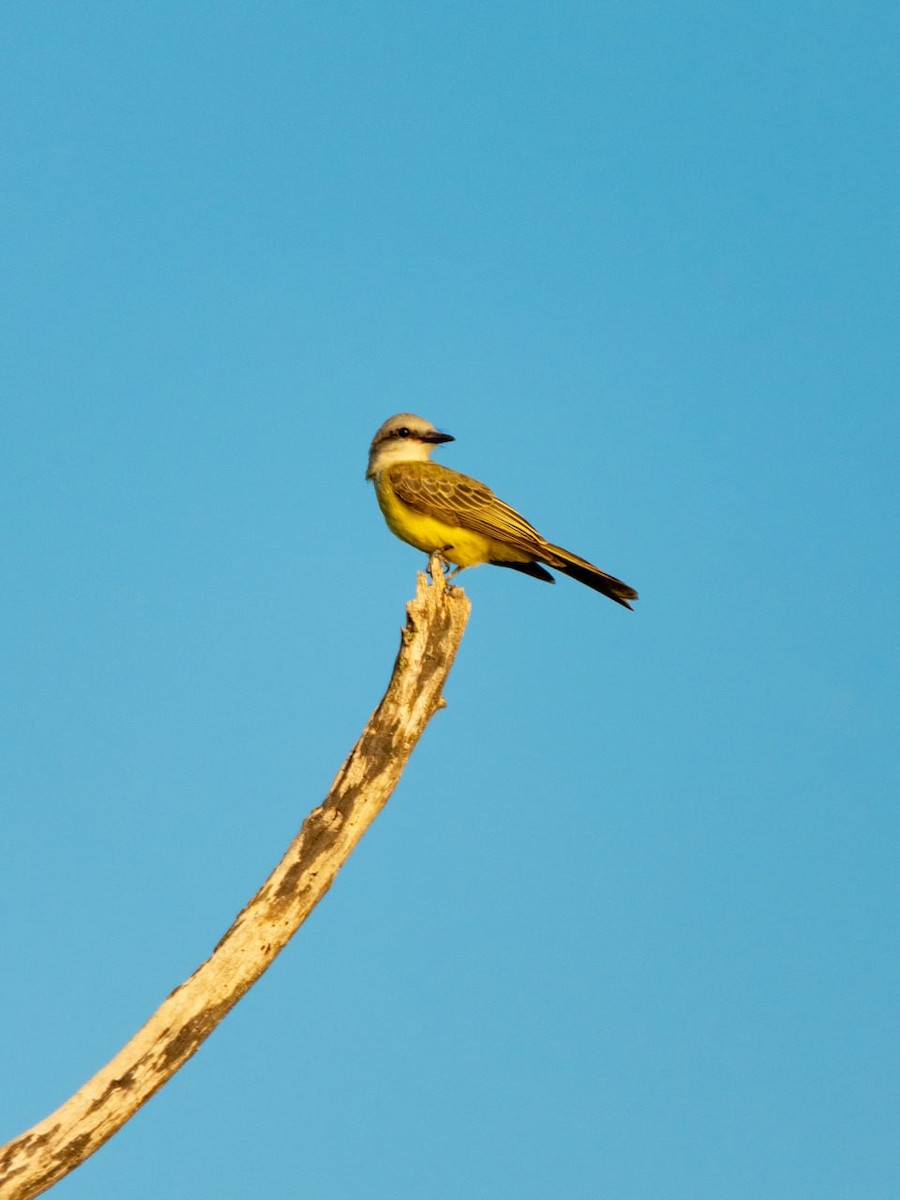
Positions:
{"x": 403, "y": 438}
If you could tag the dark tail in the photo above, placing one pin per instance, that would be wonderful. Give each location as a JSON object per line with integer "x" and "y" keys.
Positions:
{"x": 593, "y": 577}
{"x": 576, "y": 568}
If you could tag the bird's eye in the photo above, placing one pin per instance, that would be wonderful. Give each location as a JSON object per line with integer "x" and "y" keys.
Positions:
{"x": 404, "y": 432}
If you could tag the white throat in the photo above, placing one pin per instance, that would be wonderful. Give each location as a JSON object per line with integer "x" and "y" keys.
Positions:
{"x": 385, "y": 454}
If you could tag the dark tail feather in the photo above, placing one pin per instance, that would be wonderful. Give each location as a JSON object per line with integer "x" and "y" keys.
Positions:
{"x": 600, "y": 582}
{"x": 593, "y": 577}
{"x": 535, "y": 570}
{"x": 576, "y": 568}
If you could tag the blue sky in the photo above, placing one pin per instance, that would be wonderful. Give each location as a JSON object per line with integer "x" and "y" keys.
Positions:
{"x": 628, "y": 927}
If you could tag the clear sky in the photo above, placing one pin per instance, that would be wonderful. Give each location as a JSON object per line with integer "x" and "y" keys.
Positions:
{"x": 629, "y": 926}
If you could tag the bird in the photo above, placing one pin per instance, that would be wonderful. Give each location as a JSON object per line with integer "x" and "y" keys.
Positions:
{"x": 439, "y": 511}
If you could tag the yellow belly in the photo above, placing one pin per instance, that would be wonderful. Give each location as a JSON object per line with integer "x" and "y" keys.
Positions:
{"x": 466, "y": 548}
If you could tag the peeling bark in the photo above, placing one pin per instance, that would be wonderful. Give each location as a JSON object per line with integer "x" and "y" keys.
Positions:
{"x": 436, "y": 620}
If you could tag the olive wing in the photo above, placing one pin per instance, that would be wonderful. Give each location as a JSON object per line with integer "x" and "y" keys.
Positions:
{"x": 457, "y": 499}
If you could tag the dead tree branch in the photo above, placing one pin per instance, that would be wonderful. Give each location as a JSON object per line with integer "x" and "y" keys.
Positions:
{"x": 38, "y": 1158}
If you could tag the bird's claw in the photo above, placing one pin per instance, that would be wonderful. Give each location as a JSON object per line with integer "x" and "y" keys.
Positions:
{"x": 438, "y": 562}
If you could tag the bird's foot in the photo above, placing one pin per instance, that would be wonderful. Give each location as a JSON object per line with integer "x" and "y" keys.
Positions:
{"x": 439, "y": 564}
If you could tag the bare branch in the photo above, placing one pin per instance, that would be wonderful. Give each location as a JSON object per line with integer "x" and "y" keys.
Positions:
{"x": 38, "y": 1158}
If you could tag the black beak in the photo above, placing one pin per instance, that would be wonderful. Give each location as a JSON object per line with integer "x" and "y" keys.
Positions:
{"x": 436, "y": 438}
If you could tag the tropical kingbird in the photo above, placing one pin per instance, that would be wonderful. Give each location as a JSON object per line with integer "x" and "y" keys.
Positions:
{"x": 440, "y": 511}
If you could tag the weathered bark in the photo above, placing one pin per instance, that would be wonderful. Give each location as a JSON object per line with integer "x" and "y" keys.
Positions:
{"x": 38, "y": 1158}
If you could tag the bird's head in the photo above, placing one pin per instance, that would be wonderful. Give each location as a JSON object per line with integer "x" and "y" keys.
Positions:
{"x": 403, "y": 438}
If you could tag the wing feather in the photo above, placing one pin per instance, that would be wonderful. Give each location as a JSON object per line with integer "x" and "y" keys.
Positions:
{"x": 456, "y": 499}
